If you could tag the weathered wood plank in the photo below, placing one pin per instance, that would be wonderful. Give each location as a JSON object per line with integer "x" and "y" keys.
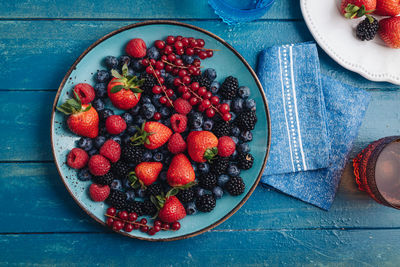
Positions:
{"x": 259, "y": 248}
{"x": 38, "y": 53}
{"x": 25, "y": 122}
{"x": 40, "y": 203}
{"x": 140, "y": 9}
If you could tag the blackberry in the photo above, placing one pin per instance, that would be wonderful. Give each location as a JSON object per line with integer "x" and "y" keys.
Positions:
{"x": 206, "y": 203}
{"x": 229, "y": 88}
{"x": 154, "y": 190}
{"x": 367, "y": 29}
{"x": 219, "y": 165}
{"x": 149, "y": 82}
{"x": 132, "y": 154}
{"x": 105, "y": 179}
{"x": 235, "y": 186}
{"x": 148, "y": 208}
{"x": 120, "y": 169}
{"x": 117, "y": 199}
{"x": 221, "y": 128}
{"x": 208, "y": 181}
{"x": 245, "y": 161}
{"x": 246, "y": 121}
{"x": 135, "y": 206}
{"x": 186, "y": 196}
{"x": 203, "y": 81}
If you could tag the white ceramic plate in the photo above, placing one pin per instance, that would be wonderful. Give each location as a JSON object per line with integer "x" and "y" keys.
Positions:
{"x": 336, "y": 35}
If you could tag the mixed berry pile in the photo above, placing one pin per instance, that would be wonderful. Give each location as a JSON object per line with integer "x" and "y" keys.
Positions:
{"x": 179, "y": 143}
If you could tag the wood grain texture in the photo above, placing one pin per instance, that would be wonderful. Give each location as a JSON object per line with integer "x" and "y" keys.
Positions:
{"x": 43, "y": 51}
{"x": 244, "y": 248}
{"x": 137, "y": 9}
{"x": 26, "y": 114}
{"x": 40, "y": 198}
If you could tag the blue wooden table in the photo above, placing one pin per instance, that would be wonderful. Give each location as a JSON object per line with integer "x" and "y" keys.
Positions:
{"x": 40, "y": 223}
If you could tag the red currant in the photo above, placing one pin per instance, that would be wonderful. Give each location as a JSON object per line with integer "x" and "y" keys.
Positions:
{"x": 157, "y": 73}
{"x": 111, "y": 211}
{"x": 170, "y": 39}
{"x": 185, "y": 41}
{"x": 110, "y": 222}
{"x": 202, "y": 91}
{"x": 224, "y": 108}
{"x": 189, "y": 51}
{"x": 159, "y": 44}
{"x": 117, "y": 225}
{"x": 178, "y": 45}
{"x": 176, "y": 226}
{"x": 186, "y": 95}
{"x": 191, "y": 69}
{"x": 168, "y": 50}
{"x": 165, "y": 226}
{"x": 161, "y": 80}
{"x": 132, "y": 216}
{"x": 202, "y": 55}
{"x": 157, "y": 228}
{"x": 227, "y": 116}
{"x": 214, "y": 100}
{"x": 192, "y": 42}
{"x": 210, "y": 112}
{"x": 180, "y": 51}
{"x": 200, "y": 42}
{"x": 143, "y": 221}
{"x": 170, "y": 92}
{"x": 145, "y": 62}
{"x": 157, "y": 223}
{"x": 151, "y": 231}
{"x": 175, "y": 71}
{"x": 195, "y": 86}
{"x": 159, "y": 65}
{"x": 194, "y": 101}
{"x": 163, "y": 100}
{"x": 179, "y": 62}
{"x": 210, "y": 53}
{"x": 149, "y": 70}
{"x": 136, "y": 226}
{"x": 206, "y": 103}
{"x": 168, "y": 68}
{"x": 197, "y": 72}
{"x": 208, "y": 95}
{"x": 128, "y": 227}
{"x": 157, "y": 116}
{"x": 186, "y": 80}
{"x": 182, "y": 73}
{"x": 178, "y": 38}
{"x": 177, "y": 81}
{"x": 196, "y": 62}
{"x": 144, "y": 229}
{"x": 201, "y": 108}
{"x": 164, "y": 58}
{"x": 156, "y": 89}
{"x": 123, "y": 215}
{"x": 171, "y": 58}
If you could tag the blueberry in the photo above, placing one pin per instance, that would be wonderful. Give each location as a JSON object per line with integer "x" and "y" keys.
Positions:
{"x": 165, "y": 112}
{"x": 243, "y": 148}
{"x": 130, "y": 195}
{"x": 84, "y": 175}
{"x": 196, "y": 120}
{"x": 99, "y": 141}
{"x": 196, "y": 129}
{"x": 102, "y": 76}
{"x": 136, "y": 65}
{"x": 169, "y": 79}
{"x": 148, "y": 111}
{"x": 135, "y": 110}
{"x": 218, "y": 192}
{"x": 203, "y": 167}
{"x": 237, "y": 105}
{"x": 167, "y": 160}
{"x": 117, "y": 139}
{"x": 233, "y": 170}
{"x": 103, "y": 131}
{"x": 153, "y": 53}
{"x": 234, "y": 139}
{"x": 191, "y": 208}
{"x": 235, "y": 131}
{"x": 200, "y": 191}
{"x": 234, "y": 155}
{"x": 250, "y": 104}
{"x": 156, "y": 101}
{"x": 116, "y": 184}
{"x": 210, "y": 74}
{"x": 215, "y": 87}
{"x": 163, "y": 176}
{"x": 246, "y": 136}
{"x": 93, "y": 152}
{"x": 194, "y": 166}
{"x": 111, "y": 62}
{"x": 222, "y": 180}
{"x": 105, "y": 113}
{"x": 85, "y": 143}
{"x": 163, "y": 73}
{"x": 100, "y": 90}
{"x": 147, "y": 156}
{"x": 208, "y": 125}
{"x": 124, "y": 60}
{"x": 98, "y": 104}
{"x": 130, "y": 72}
{"x": 131, "y": 130}
{"x": 158, "y": 157}
{"x": 125, "y": 139}
{"x": 127, "y": 117}
{"x": 139, "y": 120}
{"x": 126, "y": 183}
{"x": 166, "y": 122}
{"x": 233, "y": 116}
{"x": 141, "y": 192}
{"x": 244, "y": 92}
{"x": 187, "y": 59}
{"x": 146, "y": 100}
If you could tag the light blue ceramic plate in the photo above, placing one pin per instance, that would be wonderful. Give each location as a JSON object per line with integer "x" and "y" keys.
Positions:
{"x": 226, "y": 61}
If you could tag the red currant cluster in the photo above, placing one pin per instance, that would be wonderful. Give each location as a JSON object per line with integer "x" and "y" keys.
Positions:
{"x": 128, "y": 222}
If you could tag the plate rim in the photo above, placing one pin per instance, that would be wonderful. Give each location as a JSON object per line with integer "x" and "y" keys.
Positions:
{"x": 355, "y": 67}
{"x": 222, "y": 41}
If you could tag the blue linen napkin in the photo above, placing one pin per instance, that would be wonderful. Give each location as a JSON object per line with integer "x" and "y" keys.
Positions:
{"x": 343, "y": 108}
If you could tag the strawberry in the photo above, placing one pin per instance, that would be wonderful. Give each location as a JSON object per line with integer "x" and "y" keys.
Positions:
{"x": 77, "y": 158}
{"x": 387, "y": 7}
{"x": 98, "y": 192}
{"x": 83, "y": 119}
{"x": 176, "y": 144}
{"x": 357, "y": 8}
{"x": 152, "y": 135}
{"x": 226, "y": 146}
{"x": 124, "y": 90}
{"x": 180, "y": 171}
{"x": 202, "y": 146}
{"x": 145, "y": 173}
{"x": 389, "y": 31}
{"x": 136, "y": 48}
{"x": 85, "y": 92}
{"x": 111, "y": 150}
{"x": 172, "y": 210}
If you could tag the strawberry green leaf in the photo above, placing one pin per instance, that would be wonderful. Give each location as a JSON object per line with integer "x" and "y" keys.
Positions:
{"x": 210, "y": 154}
{"x": 116, "y": 74}
{"x": 116, "y": 89}
{"x": 87, "y": 108}
{"x": 125, "y": 70}
{"x": 136, "y": 90}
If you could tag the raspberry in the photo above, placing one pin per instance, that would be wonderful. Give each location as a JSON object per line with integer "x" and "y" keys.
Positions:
{"x": 99, "y": 192}
{"x": 111, "y": 150}
{"x": 99, "y": 165}
{"x": 115, "y": 124}
{"x": 77, "y": 158}
{"x": 226, "y": 146}
{"x": 178, "y": 123}
{"x": 176, "y": 144}
{"x": 182, "y": 106}
{"x": 136, "y": 48}
{"x": 85, "y": 92}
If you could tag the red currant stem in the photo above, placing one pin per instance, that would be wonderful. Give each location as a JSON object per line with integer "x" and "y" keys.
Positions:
{"x": 136, "y": 223}
{"x": 181, "y": 67}
{"x": 162, "y": 88}
{"x": 196, "y": 95}
{"x": 206, "y": 49}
